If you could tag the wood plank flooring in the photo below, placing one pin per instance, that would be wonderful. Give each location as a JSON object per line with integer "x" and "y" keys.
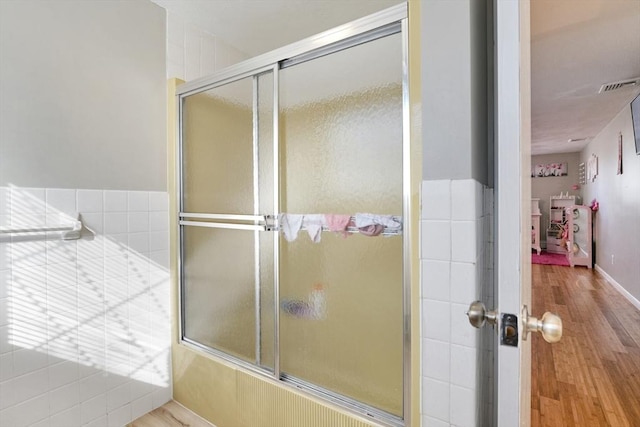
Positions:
{"x": 171, "y": 414}
{"x": 592, "y": 376}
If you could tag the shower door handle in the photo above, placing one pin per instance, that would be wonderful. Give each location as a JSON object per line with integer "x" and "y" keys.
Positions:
{"x": 225, "y": 217}
{"x": 250, "y": 227}
{"x": 228, "y": 221}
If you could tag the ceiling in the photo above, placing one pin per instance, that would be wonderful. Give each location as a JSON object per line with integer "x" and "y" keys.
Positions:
{"x": 576, "y": 47}
{"x": 259, "y": 26}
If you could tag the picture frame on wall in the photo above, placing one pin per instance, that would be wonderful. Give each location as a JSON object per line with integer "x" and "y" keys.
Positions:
{"x": 619, "y": 154}
{"x": 554, "y": 169}
{"x": 635, "y": 121}
{"x": 592, "y": 168}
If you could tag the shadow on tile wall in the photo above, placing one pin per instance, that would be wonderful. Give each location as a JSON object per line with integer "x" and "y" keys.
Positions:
{"x": 84, "y": 324}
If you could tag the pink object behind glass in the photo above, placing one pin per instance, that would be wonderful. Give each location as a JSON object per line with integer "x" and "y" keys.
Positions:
{"x": 338, "y": 223}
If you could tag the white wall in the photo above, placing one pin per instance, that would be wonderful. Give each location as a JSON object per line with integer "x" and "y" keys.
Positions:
{"x": 617, "y": 223}
{"x": 83, "y": 100}
{"x": 454, "y": 90}
{"x": 456, "y": 267}
{"x": 194, "y": 53}
{"x": 457, "y": 208}
{"x": 84, "y": 325}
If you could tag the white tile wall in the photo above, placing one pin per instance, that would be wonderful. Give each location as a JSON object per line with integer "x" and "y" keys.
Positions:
{"x": 456, "y": 217}
{"x": 84, "y": 326}
{"x": 194, "y": 53}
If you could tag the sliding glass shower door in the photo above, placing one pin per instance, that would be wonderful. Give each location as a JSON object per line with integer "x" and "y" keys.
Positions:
{"x": 314, "y": 137}
{"x": 341, "y": 153}
{"x": 227, "y": 182}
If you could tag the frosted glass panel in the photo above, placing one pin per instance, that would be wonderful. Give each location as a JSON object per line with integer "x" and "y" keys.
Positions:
{"x": 341, "y": 131}
{"x": 341, "y": 127}
{"x": 218, "y": 150}
{"x": 219, "y": 289}
{"x": 228, "y": 275}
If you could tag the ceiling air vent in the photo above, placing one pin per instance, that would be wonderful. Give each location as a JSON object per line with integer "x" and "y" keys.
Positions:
{"x": 608, "y": 87}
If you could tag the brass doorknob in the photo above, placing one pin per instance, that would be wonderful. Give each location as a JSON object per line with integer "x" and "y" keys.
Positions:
{"x": 478, "y": 315}
{"x": 549, "y": 325}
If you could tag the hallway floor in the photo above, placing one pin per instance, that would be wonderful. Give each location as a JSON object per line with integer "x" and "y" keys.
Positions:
{"x": 592, "y": 376}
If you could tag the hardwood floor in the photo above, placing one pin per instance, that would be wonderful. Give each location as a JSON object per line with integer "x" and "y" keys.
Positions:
{"x": 171, "y": 414}
{"x": 592, "y": 376}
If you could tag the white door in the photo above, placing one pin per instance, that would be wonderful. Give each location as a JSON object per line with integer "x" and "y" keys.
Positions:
{"x": 513, "y": 213}
{"x": 512, "y": 255}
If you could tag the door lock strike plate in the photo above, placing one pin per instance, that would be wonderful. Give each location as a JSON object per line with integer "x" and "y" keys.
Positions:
{"x": 509, "y": 330}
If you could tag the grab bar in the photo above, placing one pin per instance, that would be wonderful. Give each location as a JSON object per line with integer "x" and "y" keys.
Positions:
{"x": 223, "y": 217}
{"x": 69, "y": 232}
{"x": 225, "y": 225}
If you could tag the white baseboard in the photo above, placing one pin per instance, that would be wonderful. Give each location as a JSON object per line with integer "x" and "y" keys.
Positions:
{"x": 618, "y": 287}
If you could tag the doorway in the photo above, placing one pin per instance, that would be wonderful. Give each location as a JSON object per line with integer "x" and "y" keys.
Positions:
{"x": 591, "y": 376}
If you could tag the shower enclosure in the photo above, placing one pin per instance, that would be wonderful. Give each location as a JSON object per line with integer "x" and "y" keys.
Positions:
{"x": 317, "y": 127}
